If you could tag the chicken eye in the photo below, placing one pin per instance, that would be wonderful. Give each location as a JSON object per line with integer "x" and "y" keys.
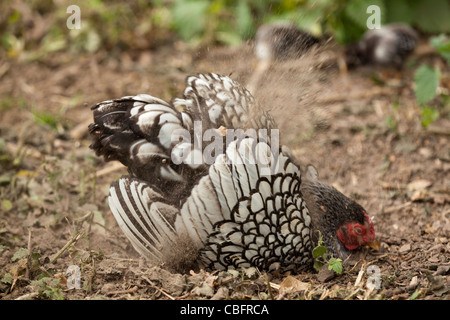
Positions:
{"x": 358, "y": 230}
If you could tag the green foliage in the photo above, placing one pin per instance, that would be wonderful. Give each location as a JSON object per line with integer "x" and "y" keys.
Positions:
{"x": 335, "y": 264}
{"x": 230, "y": 21}
{"x": 190, "y": 17}
{"x": 427, "y": 79}
{"x": 6, "y": 205}
{"x": 10, "y": 101}
{"x": 117, "y": 26}
{"x": 426, "y": 82}
{"x": 357, "y": 11}
{"x": 20, "y": 254}
{"x": 45, "y": 118}
{"x": 227, "y": 22}
{"x": 415, "y": 294}
{"x": 442, "y": 45}
{"x": 49, "y": 288}
{"x": 429, "y": 115}
{"x": 393, "y": 118}
{"x": 34, "y": 29}
{"x": 7, "y": 278}
{"x": 400, "y": 11}
{"x": 320, "y": 255}
{"x": 431, "y": 15}
{"x": 319, "y": 251}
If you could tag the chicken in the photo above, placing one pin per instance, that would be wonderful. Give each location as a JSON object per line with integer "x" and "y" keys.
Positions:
{"x": 244, "y": 203}
{"x": 388, "y": 46}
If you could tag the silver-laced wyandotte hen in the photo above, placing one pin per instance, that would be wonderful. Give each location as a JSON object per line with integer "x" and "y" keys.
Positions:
{"x": 249, "y": 205}
{"x": 388, "y": 46}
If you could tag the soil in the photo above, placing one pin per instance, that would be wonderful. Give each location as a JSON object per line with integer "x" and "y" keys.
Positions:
{"x": 360, "y": 128}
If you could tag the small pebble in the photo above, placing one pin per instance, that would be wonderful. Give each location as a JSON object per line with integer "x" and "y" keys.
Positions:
{"x": 404, "y": 249}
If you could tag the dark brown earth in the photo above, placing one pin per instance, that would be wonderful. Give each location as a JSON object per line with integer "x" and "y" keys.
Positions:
{"x": 53, "y": 189}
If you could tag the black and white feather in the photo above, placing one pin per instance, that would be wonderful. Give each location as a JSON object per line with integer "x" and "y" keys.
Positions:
{"x": 220, "y": 101}
{"x": 250, "y": 207}
{"x": 236, "y": 216}
{"x": 142, "y": 131}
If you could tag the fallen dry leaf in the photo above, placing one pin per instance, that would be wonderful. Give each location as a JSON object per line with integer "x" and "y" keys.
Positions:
{"x": 419, "y": 184}
{"x": 440, "y": 198}
{"x": 291, "y": 285}
{"x": 418, "y": 195}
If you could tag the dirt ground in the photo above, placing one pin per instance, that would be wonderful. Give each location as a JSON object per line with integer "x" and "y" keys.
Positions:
{"x": 361, "y": 129}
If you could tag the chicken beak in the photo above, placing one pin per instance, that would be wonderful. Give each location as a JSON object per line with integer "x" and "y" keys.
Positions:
{"x": 374, "y": 244}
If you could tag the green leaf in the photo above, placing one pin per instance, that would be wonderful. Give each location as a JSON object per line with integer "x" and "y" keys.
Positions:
{"x": 14, "y": 17}
{"x": 391, "y": 123}
{"x": 432, "y": 15}
{"x": 335, "y": 264}
{"x": 319, "y": 251}
{"x": 49, "y": 288}
{"x": 7, "y": 278}
{"x": 346, "y": 30}
{"x": 189, "y": 17}
{"x": 35, "y": 255}
{"x": 20, "y": 254}
{"x": 429, "y": 115}
{"x": 442, "y": 45}
{"x": 426, "y": 82}
{"x": 414, "y": 295}
{"x": 244, "y": 19}
{"x": 320, "y": 241}
{"x": 310, "y": 18}
{"x": 6, "y": 205}
{"x": 318, "y": 264}
{"x": 399, "y": 11}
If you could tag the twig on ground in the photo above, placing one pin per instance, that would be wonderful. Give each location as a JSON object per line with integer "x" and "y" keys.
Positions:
{"x": 131, "y": 290}
{"x": 397, "y": 208}
{"x": 107, "y": 170}
{"x": 73, "y": 240}
{"x": 27, "y": 271}
{"x": 30, "y": 295}
{"x": 45, "y": 271}
{"x": 81, "y": 129}
{"x": 269, "y": 287}
{"x": 159, "y": 289}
